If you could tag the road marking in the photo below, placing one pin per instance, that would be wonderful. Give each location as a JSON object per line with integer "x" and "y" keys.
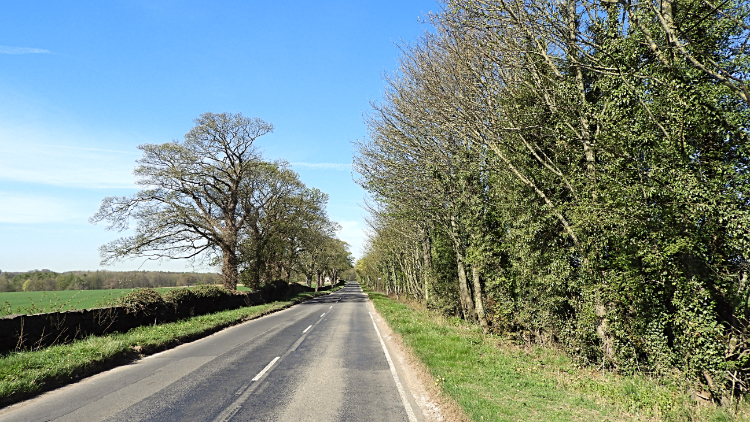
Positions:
{"x": 242, "y": 389}
{"x": 260, "y": 374}
{"x": 401, "y": 391}
{"x": 235, "y": 407}
{"x": 306, "y": 329}
{"x": 323, "y": 314}
{"x": 330, "y": 307}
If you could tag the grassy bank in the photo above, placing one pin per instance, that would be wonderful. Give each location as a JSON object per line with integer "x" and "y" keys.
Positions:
{"x": 25, "y": 374}
{"x": 493, "y": 379}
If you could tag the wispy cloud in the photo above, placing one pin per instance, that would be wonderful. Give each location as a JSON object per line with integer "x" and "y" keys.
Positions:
{"x": 34, "y": 209}
{"x": 22, "y": 50}
{"x": 324, "y": 166}
{"x": 66, "y": 166}
{"x": 91, "y": 149}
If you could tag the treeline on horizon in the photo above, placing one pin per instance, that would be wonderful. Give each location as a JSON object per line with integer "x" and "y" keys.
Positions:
{"x": 575, "y": 173}
{"x": 46, "y": 280}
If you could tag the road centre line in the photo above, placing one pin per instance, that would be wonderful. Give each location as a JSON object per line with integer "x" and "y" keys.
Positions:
{"x": 306, "y": 329}
{"x": 260, "y": 374}
{"x": 248, "y": 390}
{"x": 401, "y": 391}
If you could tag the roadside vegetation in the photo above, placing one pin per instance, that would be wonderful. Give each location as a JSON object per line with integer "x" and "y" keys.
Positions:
{"x": 28, "y": 373}
{"x": 496, "y": 378}
{"x": 574, "y": 173}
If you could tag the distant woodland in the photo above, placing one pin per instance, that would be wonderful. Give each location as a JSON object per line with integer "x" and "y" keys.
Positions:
{"x": 46, "y": 280}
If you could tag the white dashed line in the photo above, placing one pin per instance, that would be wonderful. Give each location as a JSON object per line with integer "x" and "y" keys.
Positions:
{"x": 306, "y": 329}
{"x": 260, "y": 374}
{"x": 323, "y": 314}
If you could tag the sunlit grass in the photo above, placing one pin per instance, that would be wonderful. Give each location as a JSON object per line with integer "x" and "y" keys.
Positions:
{"x": 493, "y": 379}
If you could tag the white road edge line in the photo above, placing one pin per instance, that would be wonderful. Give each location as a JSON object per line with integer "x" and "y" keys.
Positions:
{"x": 260, "y": 374}
{"x": 401, "y": 391}
{"x": 306, "y": 329}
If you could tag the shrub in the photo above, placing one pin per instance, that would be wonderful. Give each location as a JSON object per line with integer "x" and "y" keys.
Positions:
{"x": 210, "y": 291}
{"x": 146, "y": 301}
{"x": 275, "y": 289}
{"x": 179, "y": 297}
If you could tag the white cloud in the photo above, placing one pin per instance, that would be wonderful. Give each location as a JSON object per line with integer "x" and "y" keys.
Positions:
{"x": 22, "y": 50}
{"x": 35, "y": 209}
{"x": 324, "y": 166}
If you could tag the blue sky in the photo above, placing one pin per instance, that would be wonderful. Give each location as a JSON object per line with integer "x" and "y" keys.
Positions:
{"x": 82, "y": 84}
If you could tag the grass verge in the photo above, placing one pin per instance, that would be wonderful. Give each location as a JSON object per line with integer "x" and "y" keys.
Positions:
{"x": 26, "y": 374}
{"x": 493, "y": 379}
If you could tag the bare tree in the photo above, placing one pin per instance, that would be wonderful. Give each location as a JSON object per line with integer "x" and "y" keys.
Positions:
{"x": 197, "y": 198}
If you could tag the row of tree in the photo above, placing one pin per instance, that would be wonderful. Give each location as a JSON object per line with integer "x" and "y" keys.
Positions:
{"x": 575, "y": 171}
{"x": 46, "y": 280}
{"x": 213, "y": 198}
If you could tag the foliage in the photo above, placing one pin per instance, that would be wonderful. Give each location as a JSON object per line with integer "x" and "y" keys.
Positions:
{"x": 180, "y": 297}
{"x": 209, "y": 292}
{"x": 198, "y": 195}
{"x": 213, "y": 197}
{"x": 144, "y": 301}
{"x": 587, "y": 166}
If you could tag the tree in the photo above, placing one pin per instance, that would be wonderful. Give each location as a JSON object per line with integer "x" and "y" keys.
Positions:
{"x": 589, "y": 162}
{"x": 285, "y": 216}
{"x": 198, "y": 195}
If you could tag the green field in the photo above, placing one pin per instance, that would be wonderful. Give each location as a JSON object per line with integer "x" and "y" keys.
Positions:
{"x": 65, "y": 300}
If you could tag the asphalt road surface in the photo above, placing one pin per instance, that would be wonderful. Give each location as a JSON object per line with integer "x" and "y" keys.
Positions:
{"x": 322, "y": 360}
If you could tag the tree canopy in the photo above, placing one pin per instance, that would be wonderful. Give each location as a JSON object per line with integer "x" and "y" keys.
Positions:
{"x": 213, "y": 197}
{"x": 575, "y": 172}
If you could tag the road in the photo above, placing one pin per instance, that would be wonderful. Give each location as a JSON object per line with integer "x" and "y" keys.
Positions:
{"x": 322, "y": 360}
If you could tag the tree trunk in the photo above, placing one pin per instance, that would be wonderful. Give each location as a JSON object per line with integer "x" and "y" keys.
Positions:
{"x": 427, "y": 269}
{"x": 467, "y": 304}
{"x": 229, "y": 272}
{"x": 478, "y": 301}
{"x": 395, "y": 280}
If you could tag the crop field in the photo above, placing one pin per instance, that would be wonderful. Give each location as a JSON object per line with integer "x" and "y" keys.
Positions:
{"x": 65, "y": 300}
